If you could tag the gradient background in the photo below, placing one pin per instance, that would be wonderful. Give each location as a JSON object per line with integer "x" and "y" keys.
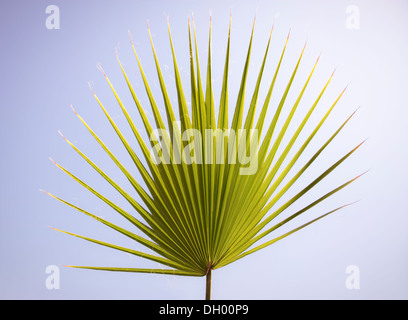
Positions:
{"x": 44, "y": 71}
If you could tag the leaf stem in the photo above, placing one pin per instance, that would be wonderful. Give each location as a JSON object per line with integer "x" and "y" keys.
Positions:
{"x": 208, "y": 284}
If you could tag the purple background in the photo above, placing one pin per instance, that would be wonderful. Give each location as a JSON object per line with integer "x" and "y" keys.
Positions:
{"x": 44, "y": 71}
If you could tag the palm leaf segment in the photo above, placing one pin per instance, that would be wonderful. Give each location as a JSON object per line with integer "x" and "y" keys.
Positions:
{"x": 199, "y": 216}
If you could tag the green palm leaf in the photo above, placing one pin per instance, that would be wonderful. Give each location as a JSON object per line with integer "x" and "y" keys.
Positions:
{"x": 203, "y": 205}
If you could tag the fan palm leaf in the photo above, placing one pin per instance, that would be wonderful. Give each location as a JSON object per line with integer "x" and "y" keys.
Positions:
{"x": 202, "y": 206}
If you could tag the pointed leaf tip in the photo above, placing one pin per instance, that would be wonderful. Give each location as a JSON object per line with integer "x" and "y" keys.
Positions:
{"x": 131, "y": 40}
{"x": 45, "y": 191}
{"x": 48, "y": 193}
{"x": 354, "y": 202}
{"x": 361, "y": 174}
{"x": 364, "y": 141}
{"x": 63, "y": 136}
{"x": 99, "y": 67}
{"x": 287, "y": 37}
{"x": 276, "y": 15}
{"x": 90, "y": 87}
{"x": 334, "y": 73}
{"x": 72, "y": 108}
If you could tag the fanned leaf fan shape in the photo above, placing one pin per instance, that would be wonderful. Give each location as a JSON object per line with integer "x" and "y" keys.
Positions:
{"x": 197, "y": 216}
